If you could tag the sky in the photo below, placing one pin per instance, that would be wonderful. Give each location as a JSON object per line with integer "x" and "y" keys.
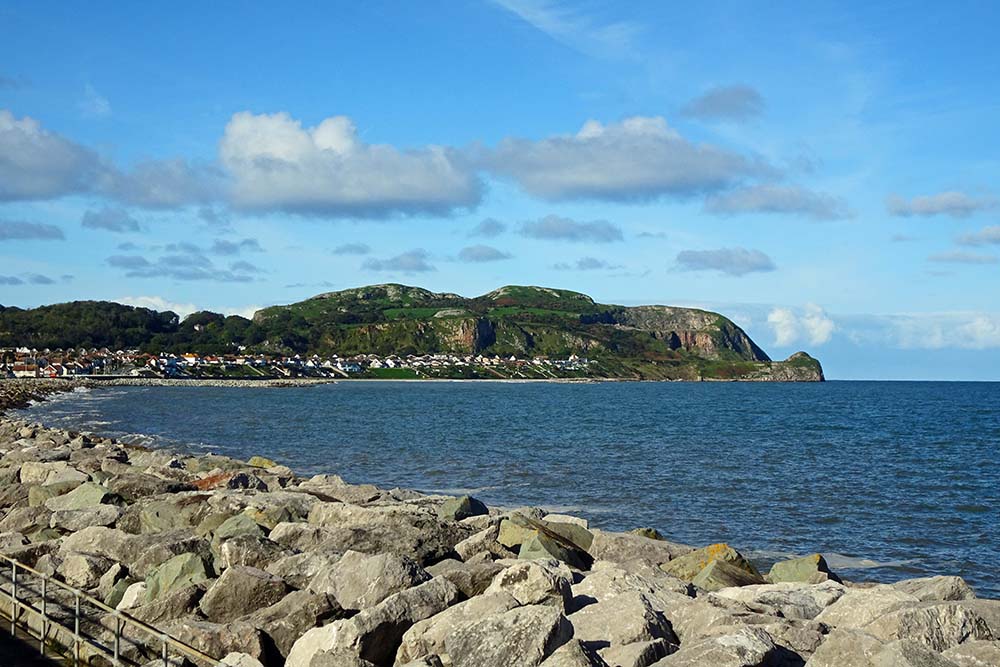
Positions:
{"x": 826, "y": 177}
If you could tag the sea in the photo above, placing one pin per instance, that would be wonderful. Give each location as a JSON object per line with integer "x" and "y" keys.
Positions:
{"x": 888, "y": 480}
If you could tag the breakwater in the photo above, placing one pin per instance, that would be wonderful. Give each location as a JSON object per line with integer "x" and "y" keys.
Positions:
{"x": 245, "y": 556}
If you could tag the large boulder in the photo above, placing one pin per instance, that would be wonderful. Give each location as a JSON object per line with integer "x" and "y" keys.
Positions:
{"x": 860, "y": 606}
{"x": 908, "y": 653}
{"x": 428, "y": 636}
{"x": 719, "y": 574}
{"x": 250, "y": 550}
{"x": 942, "y": 589}
{"x": 358, "y": 581}
{"x": 790, "y": 600}
{"x": 217, "y": 639}
{"x": 845, "y": 647}
{"x": 299, "y": 569}
{"x": 74, "y": 520}
{"x": 456, "y": 509}
{"x": 609, "y": 579}
{"x": 690, "y": 565}
{"x": 374, "y": 634}
{"x": 625, "y": 547}
{"x": 807, "y": 569}
{"x": 975, "y": 654}
{"x": 937, "y": 625}
{"x": 288, "y": 619}
{"x": 178, "y": 573}
{"x": 746, "y": 647}
{"x": 535, "y": 583}
{"x": 82, "y": 497}
{"x": 524, "y": 636}
{"x": 471, "y": 578}
{"x": 240, "y": 591}
{"x": 636, "y": 654}
{"x": 485, "y": 541}
{"x": 84, "y": 571}
{"x": 622, "y": 619}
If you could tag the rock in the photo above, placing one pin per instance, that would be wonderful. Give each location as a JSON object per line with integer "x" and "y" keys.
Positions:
{"x": 790, "y": 600}
{"x": 25, "y": 519}
{"x": 132, "y": 486}
{"x": 240, "y": 591}
{"x": 719, "y": 574}
{"x": 470, "y": 578}
{"x": 846, "y": 648}
{"x": 300, "y": 536}
{"x": 456, "y": 509}
{"x": 82, "y": 497}
{"x": 245, "y": 480}
{"x": 937, "y": 625}
{"x": 288, "y": 619}
{"x": 908, "y": 653}
{"x": 860, "y": 606}
{"x": 543, "y": 545}
{"x": 535, "y": 583}
{"x": 694, "y": 620}
{"x": 809, "y": 569}
{"x": 940, "y": 589}
{"x": 524, "y": 636}
{"x": 74, "y": 520}
{"x": 485, "y": 541}
{"x": 134, "y": 596}
{"x": 688, "y": 566}
{"x": 12, "y": 540}
{"x": 39, "y": 495}
{"x": 637, "y": 654}
{"x": 622, "y": 619}
{"x": 358, "y": 581}
{"x": 975, "y": 654}
{"x": 651, "y": 533}
{"x": 261, "y": 462}
{"x": 426, "y": 661}
{"x": 566, "y": 518}
{"x": 514, "y": 531}
{"x": 175, "y": 574}
{"x": 241, "y": 524}
{"x": 374, "y": 634}
{"x": 169, "y": 606}
{"x": 623, "y": 547}
{"x": 117, "y": 572}
{"x": 609, "y": 579}
{"x": 251, "y": 550}
{"x": 154, "y": 550}
{"x": 989, "y": 610}
{"x": 746, "y": 647}
{"x": 240, "y": 660}
{"x": 298, "y": 570}
{"x": 573, "y": 654}
{"x": 181, "y": 510}
{"x": 428, "y": 636}
{"x": 116, "y": 593}
{"x": 217, "y": 639}
{"x": 84, "y": 571}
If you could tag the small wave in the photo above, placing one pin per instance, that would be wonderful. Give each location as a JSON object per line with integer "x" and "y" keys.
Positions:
{"x": 840, "y": 561}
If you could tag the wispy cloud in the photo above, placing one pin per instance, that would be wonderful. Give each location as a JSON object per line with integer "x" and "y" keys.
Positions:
{"x": 962, "y": 257}
{"x": 412, "y": 261}
{"x": 110, "y": 218}
{"x": 488, "y": 228}
{"x": 586, "y": 264}
{"x": 985, "y": 236}
{"x": 577, "y": 28}
{"x": 779, "y": 199}
{"x": 953, "y": 203}
{"x": 93, "y": 103}
{"x": 352, "y": 249}
{"x": 19, "y": 230}
{"x": 482, "y": 253}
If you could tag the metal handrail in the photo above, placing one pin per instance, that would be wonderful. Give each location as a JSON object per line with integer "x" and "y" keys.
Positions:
{"x": 121, "y": 619}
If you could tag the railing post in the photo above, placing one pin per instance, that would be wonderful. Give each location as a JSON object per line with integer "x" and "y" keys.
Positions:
{"x": 13, "y": 598}
{"x": 118, "y": 637}
{"x": 76, "y": 631}
{"x": 45, "y": 620}
{"x": 163, "y": 651}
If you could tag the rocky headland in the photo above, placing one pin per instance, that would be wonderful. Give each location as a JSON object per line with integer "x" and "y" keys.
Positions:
{"x": 243, "y": 560}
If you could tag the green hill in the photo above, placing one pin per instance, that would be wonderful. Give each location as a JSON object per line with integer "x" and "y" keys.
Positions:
{"x": 654, "y": 342}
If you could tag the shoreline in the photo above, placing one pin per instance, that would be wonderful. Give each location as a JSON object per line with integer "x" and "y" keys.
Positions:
{"x": 246, "y": 557}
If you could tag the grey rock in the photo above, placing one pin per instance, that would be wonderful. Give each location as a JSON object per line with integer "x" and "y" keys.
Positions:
{"x": 428, "y": 636}
{"x": 82, "y": 497}
{"x": 456, "y": 509}
{"x": 74, "y": 520}
{"x": 908, "y": 653}
{"x": 218, "y": 639}
{"x": 523, "y": 636}
{"x": 622, "y": 619}
{"x": 941, "y": 589}
{"x": 719, "y": 574}
{"x": 288, "y": 619}
{"x": 937, "y": 625}
{"x": 860, "y": 606}
{"x": 535, "y": 583}
{"x": 790, "y": 600}
{"x": 846, "y": 648}
{"x": 358, "y": 581}
{"x": 807, "y": 569}
{"x": 746, "y": 647}
{"x": 299, "y": 569}
{"x": 485, "y": 541}
{"x": 251, "y": 550}
{"x": 471, "y": 578}
{"x": 84, "y": 571}
{"x": 638, "y": 654}
{"x": 623, "y": 547}
{"x": 240, "y": 591}
{"x": 178, "y": 573}
{"x": 168, "y": 606}
{"x": 975, "y": 654}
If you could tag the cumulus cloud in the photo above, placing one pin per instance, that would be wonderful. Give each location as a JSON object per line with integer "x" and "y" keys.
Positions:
{"x": 38, "y": 164}
{"x": 778, "y": 199}
{"x": 413, "y": 261}
{"x": 952, "y": 203}
{"x": 110, "y": 218}
{"x": 352, "y": 249}
{"x": 585, "y": 264}
{"x": 482, "y": 253}
{"x": 985, "y": 236}
{"x": 731, "y": 261}
{"x": 811, "y": 324}
{"x": 276, "y": 164}
{"x": 488, "y": 228}
{"x": 167, "y": 183}
{"x": 558, "y": 228}
{"x": 19, "y": 230}
{"x": 961, "y": 257}
{"x": 737, "y": 102}
{"x": 639, "y": 158}
{"x": 967, "y": 330}
{"x": 226, "y": 247}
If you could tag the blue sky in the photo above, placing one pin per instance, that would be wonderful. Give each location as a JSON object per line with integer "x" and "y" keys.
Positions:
{"x": 826, "y": 177}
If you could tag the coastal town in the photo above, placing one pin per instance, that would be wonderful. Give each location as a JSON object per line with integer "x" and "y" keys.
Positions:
{"x": 23, "y": 362}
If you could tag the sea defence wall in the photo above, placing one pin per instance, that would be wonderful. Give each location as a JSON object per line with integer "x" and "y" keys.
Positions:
{"x": 244, "y": 560}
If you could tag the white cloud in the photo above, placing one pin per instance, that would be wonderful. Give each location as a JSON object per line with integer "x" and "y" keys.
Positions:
{"x": 778, "y": 199}
{"x": 160, "y": 304}
{"x": 952, "y": 203}
{"x": 812, "y": 325}
{"x": 932, "y": 331}
{"x": 38, "y": 164}
{"x": 731, "y": 261}
{"x": 985, "y": 236}
{"x": 276, "y": 164}
{"x": 639, "y": 158}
